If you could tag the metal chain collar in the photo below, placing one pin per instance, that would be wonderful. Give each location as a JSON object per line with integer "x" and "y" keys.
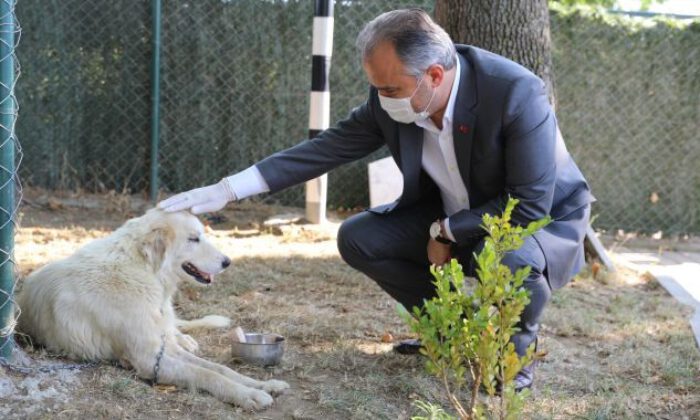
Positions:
{"x": 159, "y": 356}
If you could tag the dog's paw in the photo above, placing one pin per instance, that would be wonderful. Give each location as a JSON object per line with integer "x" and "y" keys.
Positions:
{"x": 217, "y": 321}
{"x": 186, "y": 342}
{"x": 274, "y": 386}
{"x": 254, "y": 399}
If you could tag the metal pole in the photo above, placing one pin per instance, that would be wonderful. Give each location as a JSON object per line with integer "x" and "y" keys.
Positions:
{"x": 155, "y": 97}
{"x": 8, "y": 113}
{"x": 320, "y": 108}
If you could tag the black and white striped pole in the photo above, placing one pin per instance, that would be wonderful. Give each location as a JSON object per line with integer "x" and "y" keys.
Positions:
{"x": 319, "y": 114}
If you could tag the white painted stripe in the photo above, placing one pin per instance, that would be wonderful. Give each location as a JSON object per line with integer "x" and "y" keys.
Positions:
{"x": 315, "y": 189}
{"x": 320, "y": 110}
{"x": 323, "y": 36}
{"x": 316, "y": 195}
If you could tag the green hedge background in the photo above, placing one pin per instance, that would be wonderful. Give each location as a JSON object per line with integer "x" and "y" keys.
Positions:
{"x": 236, "y": 79}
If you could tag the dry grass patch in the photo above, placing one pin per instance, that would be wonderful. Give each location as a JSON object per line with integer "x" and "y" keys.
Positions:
{"x": 617, "y": 348}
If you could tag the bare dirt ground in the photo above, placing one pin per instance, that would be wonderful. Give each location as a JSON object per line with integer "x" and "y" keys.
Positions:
{"x": 618, "y": 346}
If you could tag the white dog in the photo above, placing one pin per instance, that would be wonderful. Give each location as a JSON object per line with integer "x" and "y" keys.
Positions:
{"x": 112, "y": 300}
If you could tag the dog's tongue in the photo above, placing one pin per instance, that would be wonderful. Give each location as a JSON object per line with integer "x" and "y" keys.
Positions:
{"x": 210, "y": 277}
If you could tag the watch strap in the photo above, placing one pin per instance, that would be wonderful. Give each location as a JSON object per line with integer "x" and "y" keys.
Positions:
{"x": 440, "y": 238}
{"x": 443, "y": 240}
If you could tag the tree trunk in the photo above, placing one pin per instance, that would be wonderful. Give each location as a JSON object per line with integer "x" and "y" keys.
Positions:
{"x": 516, "y": 29}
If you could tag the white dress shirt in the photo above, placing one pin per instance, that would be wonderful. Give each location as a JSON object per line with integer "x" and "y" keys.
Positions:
{"x": 440, "y": 162}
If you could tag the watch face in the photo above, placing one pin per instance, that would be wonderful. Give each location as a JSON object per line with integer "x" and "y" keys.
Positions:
{"x": 435, "y": 230}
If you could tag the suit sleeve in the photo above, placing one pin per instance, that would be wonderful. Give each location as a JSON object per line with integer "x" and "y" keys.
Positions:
{"x": 351, "y": 139}
{"x": 529, "y": 135}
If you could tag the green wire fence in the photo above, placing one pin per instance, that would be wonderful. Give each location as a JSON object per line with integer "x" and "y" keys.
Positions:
{"x": 10, "y": 154}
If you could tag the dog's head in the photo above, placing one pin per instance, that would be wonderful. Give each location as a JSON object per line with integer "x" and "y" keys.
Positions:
{"x": 174, "y": 243}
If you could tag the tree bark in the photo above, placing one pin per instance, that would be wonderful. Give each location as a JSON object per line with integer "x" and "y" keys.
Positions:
{"x": 516, "y": 29}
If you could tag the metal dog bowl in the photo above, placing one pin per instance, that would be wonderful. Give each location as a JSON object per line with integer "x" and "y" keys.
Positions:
{"x": 259, "y": 349}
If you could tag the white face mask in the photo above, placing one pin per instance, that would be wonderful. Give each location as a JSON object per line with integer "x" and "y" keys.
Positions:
{"x": 401, "y": 110}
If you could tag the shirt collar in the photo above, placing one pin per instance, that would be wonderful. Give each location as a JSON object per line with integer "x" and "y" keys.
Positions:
{"x": 449, "y": 110}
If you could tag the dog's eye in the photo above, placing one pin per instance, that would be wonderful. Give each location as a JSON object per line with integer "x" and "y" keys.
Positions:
{"x": 193, "y": 239}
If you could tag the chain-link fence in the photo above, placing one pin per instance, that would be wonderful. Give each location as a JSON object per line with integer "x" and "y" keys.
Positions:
{"x": 10, "y": 156}
{"x": 85, "y": 93}
{"x": 628, "y": 101}
{"x": 237, "y": 77}
{"x": 235, "y": 88}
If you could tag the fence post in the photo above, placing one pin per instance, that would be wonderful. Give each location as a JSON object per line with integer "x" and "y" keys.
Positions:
{"x": 155, "y": 97}
{"x": 8, "y": 116}
{"x": 320, "y": 107}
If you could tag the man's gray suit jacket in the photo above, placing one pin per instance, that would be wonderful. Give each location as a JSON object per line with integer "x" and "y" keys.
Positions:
{"x": 507, "y": 143}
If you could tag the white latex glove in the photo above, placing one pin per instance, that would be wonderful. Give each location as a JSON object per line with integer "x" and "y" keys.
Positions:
{"x": 201, "y": 200}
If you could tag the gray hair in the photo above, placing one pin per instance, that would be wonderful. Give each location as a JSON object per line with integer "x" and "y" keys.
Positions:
{"x": 418, "y": 40}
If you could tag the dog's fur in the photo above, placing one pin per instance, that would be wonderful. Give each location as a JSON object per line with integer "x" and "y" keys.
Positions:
{"x": 112, "y": 300}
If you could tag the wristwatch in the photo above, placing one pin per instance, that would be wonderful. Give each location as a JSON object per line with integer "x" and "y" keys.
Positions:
{"x": 436, "y": 232}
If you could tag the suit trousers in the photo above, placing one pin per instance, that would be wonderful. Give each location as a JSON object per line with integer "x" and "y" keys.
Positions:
{"x": 391, "y": 249}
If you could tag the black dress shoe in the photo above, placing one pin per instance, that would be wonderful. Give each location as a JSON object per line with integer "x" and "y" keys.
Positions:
{"x": 525, "y": 378}
{"x": 409, "y": 347}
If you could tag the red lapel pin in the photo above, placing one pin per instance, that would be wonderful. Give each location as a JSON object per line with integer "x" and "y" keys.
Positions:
{"x": 463, "y": 129}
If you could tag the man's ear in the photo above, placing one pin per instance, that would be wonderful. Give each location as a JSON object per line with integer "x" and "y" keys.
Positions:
{"x": 436, "y": 73}
{"x": 154, "y": 246}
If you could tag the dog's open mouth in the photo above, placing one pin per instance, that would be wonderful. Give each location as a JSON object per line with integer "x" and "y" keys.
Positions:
{"x": 200, "y": 276}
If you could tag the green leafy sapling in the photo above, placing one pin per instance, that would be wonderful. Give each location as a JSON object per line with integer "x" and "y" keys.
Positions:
{"x": 465, "y": 334}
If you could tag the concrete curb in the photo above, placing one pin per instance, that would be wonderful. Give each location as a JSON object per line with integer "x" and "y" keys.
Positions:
{"x": 677, "y": 272}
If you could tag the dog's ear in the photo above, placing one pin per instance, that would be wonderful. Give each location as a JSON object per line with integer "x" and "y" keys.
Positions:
{"x": 154, "y": 246}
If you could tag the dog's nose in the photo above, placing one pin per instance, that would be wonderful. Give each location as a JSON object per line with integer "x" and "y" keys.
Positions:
{"x": 226, "y": 262}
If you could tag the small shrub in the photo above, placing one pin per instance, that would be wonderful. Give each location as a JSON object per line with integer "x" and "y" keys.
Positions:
{"x": 466, "y": 335}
